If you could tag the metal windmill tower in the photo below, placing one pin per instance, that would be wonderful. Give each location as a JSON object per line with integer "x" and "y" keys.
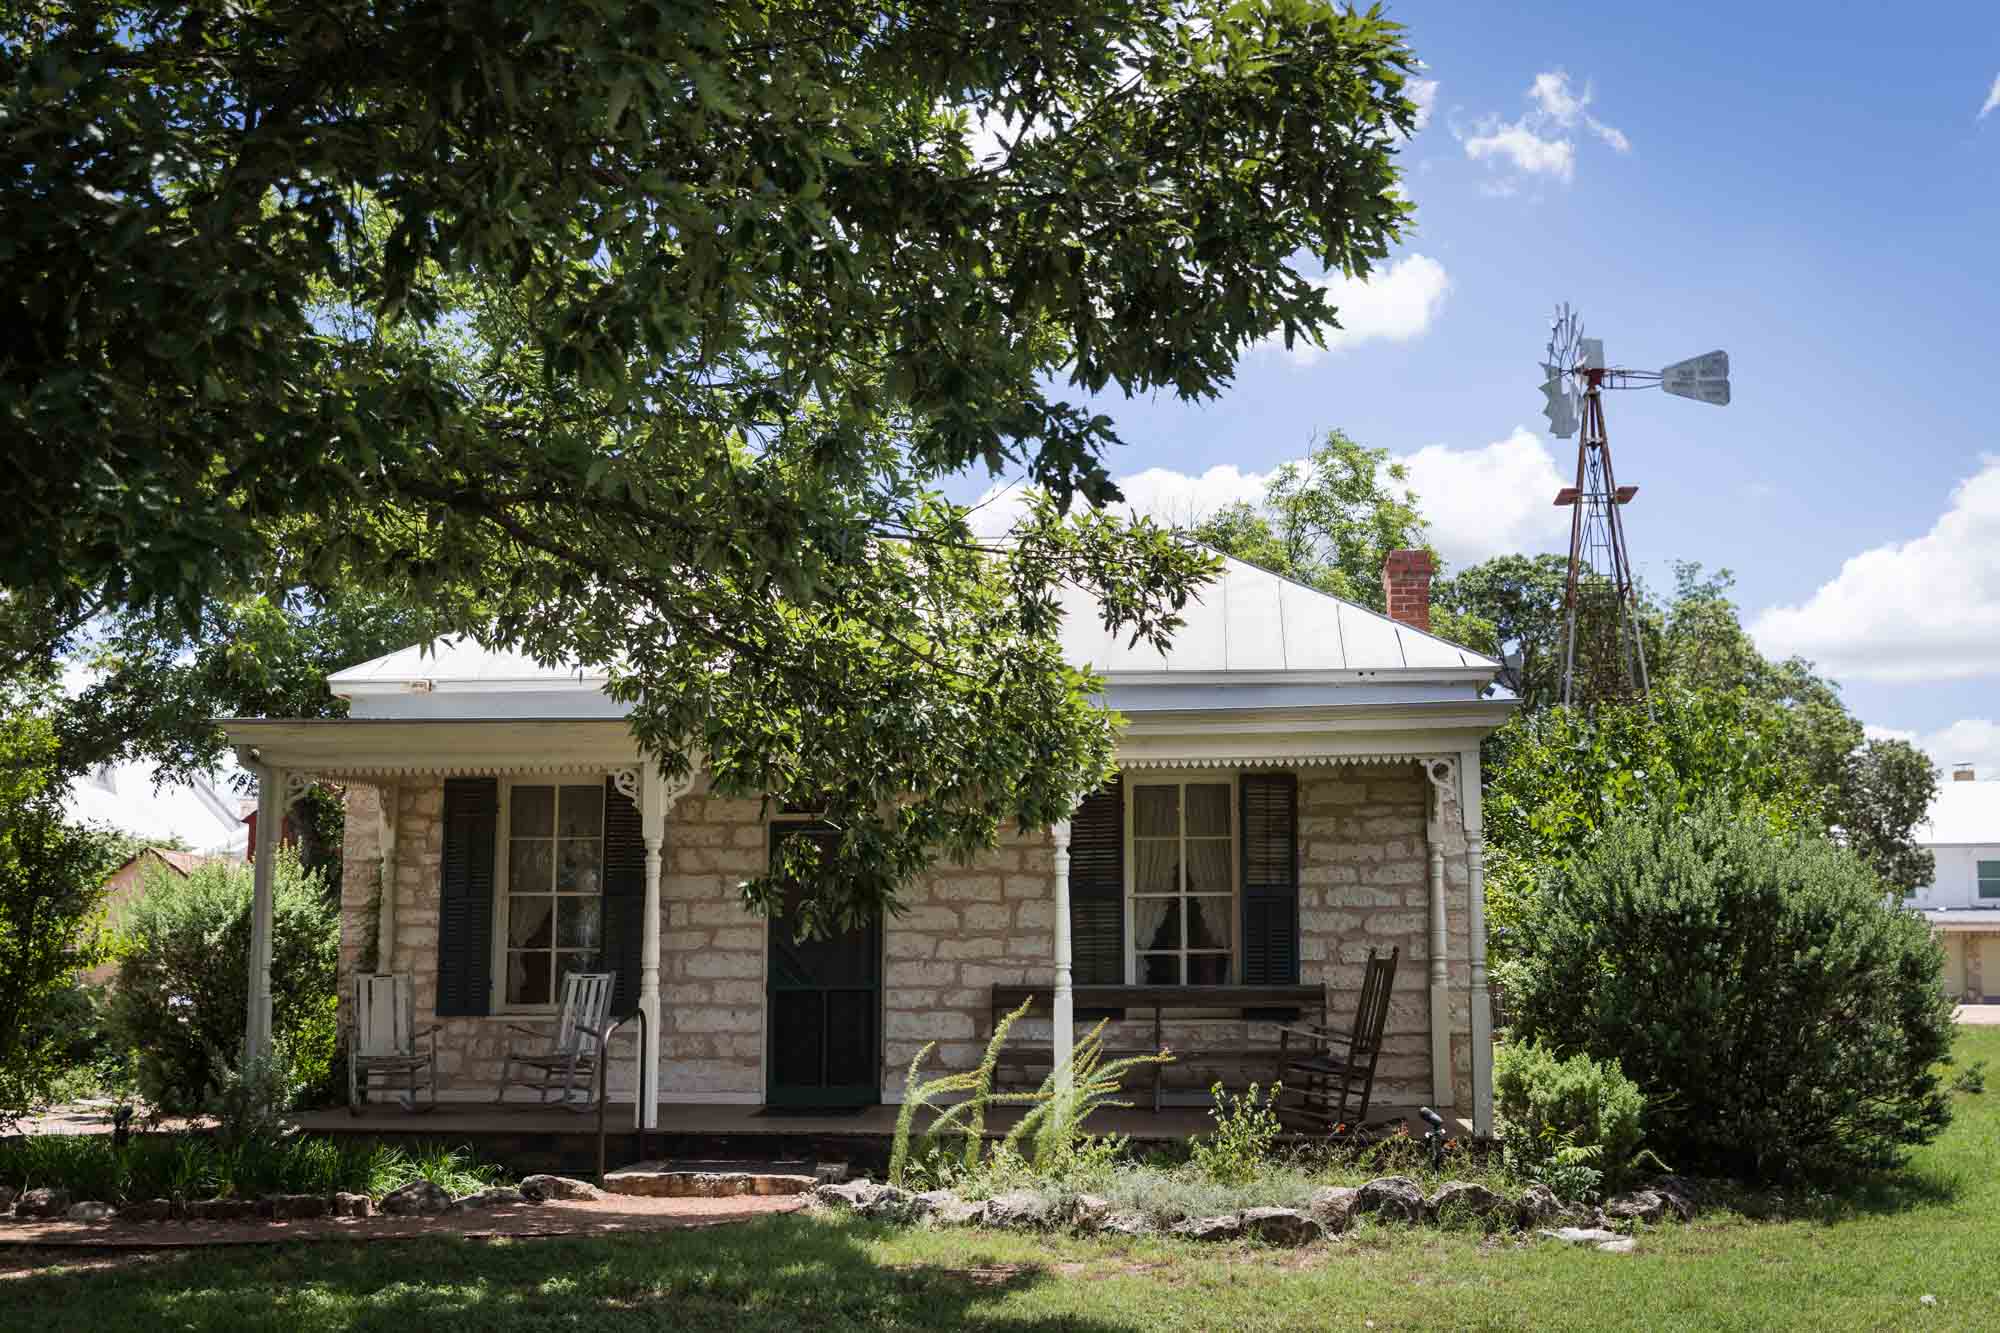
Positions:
{"x": 1603, "y": 652}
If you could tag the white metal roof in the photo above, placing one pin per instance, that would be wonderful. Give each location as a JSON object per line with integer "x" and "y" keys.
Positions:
{"x": 1963, "y": 813}
{"x": 1251, "y": 620}
{"x": 457, "y": 662}
{"x": 1248, "y": 626}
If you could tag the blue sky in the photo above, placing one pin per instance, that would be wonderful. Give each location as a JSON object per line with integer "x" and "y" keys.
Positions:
{"x": 1818, "y": 193}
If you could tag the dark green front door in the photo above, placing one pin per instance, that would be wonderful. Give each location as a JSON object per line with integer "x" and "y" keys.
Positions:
{"x": 824, "y": 999}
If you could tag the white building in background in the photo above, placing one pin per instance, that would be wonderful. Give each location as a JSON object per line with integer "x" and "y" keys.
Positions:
{"x": 1962, "y": 901}
{"x": 204, "y": 814}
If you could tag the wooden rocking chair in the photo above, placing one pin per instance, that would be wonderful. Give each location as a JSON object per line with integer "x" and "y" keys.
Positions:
{"x": 1333, "y": 1073}
{"x": 382, "y": 1043}
{"x": 566, "y": 1066}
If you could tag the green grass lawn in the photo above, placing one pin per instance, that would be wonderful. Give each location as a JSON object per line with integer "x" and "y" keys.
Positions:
{"x": 1862, "y": 1260}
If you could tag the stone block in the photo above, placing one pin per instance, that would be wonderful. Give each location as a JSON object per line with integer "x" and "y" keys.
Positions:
{"x": 1028, "y": 886}
{"x": 1035, "y": 916}
{"x": 909, "y": 944}
{"x": 1034, "y": 946}
{"x": 981, "y": 975}
{"x": 717, "y": 964}
{"x": 699, "y": 1018}
{"x": 901, "y": 973}
{"x": 986, "y": 917}
{"x": 967, "y": 888}
{"x": 978, "y": 948}
{"x": 928, "y": 918}
{"x": 935, "y": 1024}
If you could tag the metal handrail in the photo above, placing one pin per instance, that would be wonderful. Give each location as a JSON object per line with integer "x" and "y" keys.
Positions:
{"x": 642, "y": 1084}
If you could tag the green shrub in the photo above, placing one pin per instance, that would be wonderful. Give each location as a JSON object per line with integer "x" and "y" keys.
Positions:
{"x": 1565, "y": 1122}
{"x": 1245, "y": 1130}
{"x": 1781, "y": 1016}
{"x": 183, "y": 976}
{"x": 1970, "y": 1079}
{"x": 197, "y": 1166}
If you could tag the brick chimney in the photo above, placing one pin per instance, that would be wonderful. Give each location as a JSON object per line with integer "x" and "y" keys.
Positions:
{"x": 1406, "y": 587}
{"x": 1962, "y": 773}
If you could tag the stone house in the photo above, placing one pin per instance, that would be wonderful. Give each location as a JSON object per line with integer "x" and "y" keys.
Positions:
{"x": 1298, "y": 782}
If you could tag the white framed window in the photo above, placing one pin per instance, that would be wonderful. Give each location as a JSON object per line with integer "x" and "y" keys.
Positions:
{"x": 1181, "y": 881}
{"x": 549, "y": 887}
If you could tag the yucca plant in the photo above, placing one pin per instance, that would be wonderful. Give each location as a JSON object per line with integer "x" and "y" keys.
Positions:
{"x": 1054, "y": 1128}
{"x": 977, "y": 1083}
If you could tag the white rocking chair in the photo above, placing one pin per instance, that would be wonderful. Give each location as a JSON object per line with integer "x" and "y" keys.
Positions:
{"x": 382, "y": 1043}
{"x": 566, "y": 1066}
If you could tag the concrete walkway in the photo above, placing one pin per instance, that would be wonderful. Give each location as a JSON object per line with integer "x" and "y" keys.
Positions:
{"x": 1979, "y": 1015}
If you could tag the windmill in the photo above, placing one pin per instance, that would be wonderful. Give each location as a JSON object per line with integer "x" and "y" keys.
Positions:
{"x": 1600, "y": 606}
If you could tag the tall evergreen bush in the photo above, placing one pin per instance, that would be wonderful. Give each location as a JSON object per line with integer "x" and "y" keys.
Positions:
{"x": 184, "y": 969}
{"x": 1781, "y": 1015}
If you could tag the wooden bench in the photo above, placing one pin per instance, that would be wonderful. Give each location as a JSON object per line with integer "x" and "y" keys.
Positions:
{"x": 1162, "y": 1000}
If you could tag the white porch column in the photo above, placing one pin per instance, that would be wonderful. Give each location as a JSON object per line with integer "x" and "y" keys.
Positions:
{"x": 657, "y": 797}
{"x": 387, "y": 796}
{"x": 271, "y": 783}
{"x": 1442, "y": 771}
{"x": 1482, "y": 1001}
{"x": 1064, "y": 1016}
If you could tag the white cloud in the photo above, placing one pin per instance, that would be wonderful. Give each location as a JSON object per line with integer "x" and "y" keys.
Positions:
{"x": 1481, "y": 502}
{"x": 1491, "y": 500}
{"x": 1970, "y": 740}
{"x": 1554, "y": 98}
{"x": 1921, "y": 610}
{"x": 1992, "y": 99}
{"x": 1527, "y": 150}
{"x": 1541, "y": 142}
{"x": 1424, "y": 93}
{"x": 1397, "y": 304}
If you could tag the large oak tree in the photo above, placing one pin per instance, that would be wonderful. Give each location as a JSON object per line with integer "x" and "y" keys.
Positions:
{"x": 643, "y": 333}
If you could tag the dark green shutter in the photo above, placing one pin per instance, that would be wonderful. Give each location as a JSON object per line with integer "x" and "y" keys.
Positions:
{"x": 465, "y": 897}
{"x": 1097, "y": 888}
{"x": 1270, "y": 879}
{"x": 624, "y": 897}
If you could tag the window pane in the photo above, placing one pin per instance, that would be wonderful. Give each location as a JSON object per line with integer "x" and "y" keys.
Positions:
{"x": 1155, "y": 811}
{"x": 580, "y": 865}
{"x": 530, "y": 866}
{"x": 1208, "y": 923}
{"x": 577, "y": 922}
{"x": 531, "y": 812}
{"x": 1156, "y": 923}
{"x": 528, "y": 978}
{"x": 530, "y": 921}
{"x": 1156, "y": 866}
{"x": 1208, "y": 865}
{"x": 1208, "y": 969}
{"x": 582, "y": 812}
{"x": 1159, "y": 969}
{"x": 575, "y": 962}
{"x": 1207, "y": 809}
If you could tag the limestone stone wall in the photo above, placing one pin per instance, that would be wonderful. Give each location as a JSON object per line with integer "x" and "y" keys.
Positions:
{"x": 711, "y": 951}
{"x": 968, "y": 928}
{"x": 1363, "y": 881}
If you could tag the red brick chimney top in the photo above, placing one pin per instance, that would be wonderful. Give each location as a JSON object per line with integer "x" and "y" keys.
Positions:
{"x": 1406, "y": 587}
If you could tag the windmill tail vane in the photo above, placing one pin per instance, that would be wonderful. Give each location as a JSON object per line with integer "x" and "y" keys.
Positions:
{"x": 1603, "y": 650}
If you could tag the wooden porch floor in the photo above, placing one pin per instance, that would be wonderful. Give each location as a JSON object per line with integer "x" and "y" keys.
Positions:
{"x": 476, "y": 1119}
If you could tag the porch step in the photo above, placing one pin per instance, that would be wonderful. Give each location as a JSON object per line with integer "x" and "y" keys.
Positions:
{"x": 720, "y": 1180}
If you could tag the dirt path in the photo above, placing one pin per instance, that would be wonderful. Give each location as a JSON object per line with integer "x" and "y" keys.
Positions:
{"x": 595, "y": 1217}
